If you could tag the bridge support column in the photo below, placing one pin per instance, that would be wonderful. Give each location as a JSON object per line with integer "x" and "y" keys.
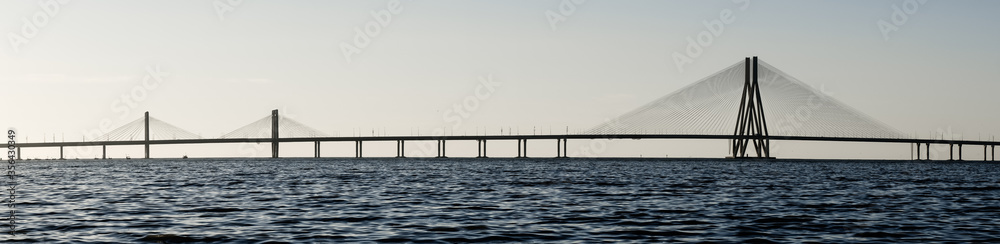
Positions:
{"x": 918, "y": 151}
{"x": 104, "y": 151}
{"x": 561, "y": 145}
{"x": 61, "y": 153}
{"x": 992, "y": 158}
{"x": 558, "y": 148}
{"x": 522, "y": 148}
{"x": 400, "y": 149}
{"x": 518, "y": 148}
{"x": 928, "y": 146}
{"x": 18, "y": 153}
{"x": 147, "y": 136}
{"x": 481, "y": 149}
{"x": 985, "y": 158}
{"x": 959, "y": 152}
{"x": 317, "y": 149}
{"x": 358, "y": 148}
{"x": 951, "y": 151}
{"x": 274, "y": 133}
{"x": 441, "y": 149}
{"x": 525, "y": 148}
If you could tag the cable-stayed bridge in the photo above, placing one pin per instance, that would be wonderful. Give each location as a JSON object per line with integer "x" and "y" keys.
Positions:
{"x": 748, "y": 103}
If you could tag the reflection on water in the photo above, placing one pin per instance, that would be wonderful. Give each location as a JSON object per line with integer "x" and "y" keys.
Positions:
{"x": 473, "y": 200}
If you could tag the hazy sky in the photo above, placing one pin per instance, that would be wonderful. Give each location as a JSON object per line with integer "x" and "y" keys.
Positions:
{"x": 212, "y": 66}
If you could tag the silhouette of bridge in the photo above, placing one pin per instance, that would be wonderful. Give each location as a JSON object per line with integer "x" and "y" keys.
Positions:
{"x": 733, "y": 104}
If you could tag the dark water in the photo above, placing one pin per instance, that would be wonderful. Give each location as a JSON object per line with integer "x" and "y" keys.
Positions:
{"x": 506, "y": 200}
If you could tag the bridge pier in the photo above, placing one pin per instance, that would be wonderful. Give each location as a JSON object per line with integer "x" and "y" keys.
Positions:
{"x": 928, "y": 146}
{"x": 918, "y": 151}
{"x": 358, "y": 147}
{"x": 558, "y": 148}
{"x": 518, "y": 148}
{"x": 951, "y": 151}
{"x": 18, "y": 153}
{"x": 984, "y": 154}
{"x": 561, "y": 145}
{"x": 959, "y": 152}
{"x": 400, "y": 149}
{"x": 61, "y": 152}
{"x": 992, "y": 158}
{"x": 442, "y": 147}
{"x": 522, "y": 148}
{"x": 317, "y": 149}
{"x": 481, "y": 149}
{"x": 104, "y": 151}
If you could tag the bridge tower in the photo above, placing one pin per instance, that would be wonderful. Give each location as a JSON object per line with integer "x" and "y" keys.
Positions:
{"x": 751, "y": 126}
{"x": 146, "y": 126}
{"x": 274, "y": 133}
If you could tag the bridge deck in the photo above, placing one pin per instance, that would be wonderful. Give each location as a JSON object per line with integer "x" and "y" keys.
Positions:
{"x": 502, "y": 137}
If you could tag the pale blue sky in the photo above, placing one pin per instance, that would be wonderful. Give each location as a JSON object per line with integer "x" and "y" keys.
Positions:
{"x": 937, "y": 72}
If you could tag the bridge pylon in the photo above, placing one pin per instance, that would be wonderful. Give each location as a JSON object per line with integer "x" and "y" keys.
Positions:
{"x": 751, "y": 125}
{"x": 274, "y": 133}
{"x": 146, "y": 128}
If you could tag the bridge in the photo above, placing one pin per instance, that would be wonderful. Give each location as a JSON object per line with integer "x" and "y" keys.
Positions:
{"x": 733, "y": 104}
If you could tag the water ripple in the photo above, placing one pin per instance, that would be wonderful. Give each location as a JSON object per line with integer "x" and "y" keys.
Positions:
{"x": 506, "y": 200}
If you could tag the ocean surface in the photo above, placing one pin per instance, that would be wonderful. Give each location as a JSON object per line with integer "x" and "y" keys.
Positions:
{"x": 504, "y": 200}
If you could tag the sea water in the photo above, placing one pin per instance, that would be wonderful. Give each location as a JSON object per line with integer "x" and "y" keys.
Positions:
{"x": 505, "y": 200}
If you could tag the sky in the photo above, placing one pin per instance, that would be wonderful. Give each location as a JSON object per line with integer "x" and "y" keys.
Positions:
{"x": 72, "y": 69}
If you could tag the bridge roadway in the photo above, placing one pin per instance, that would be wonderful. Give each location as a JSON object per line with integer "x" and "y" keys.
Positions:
{"x": 506, "y": 137}
{"x": 563, "y": 138}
